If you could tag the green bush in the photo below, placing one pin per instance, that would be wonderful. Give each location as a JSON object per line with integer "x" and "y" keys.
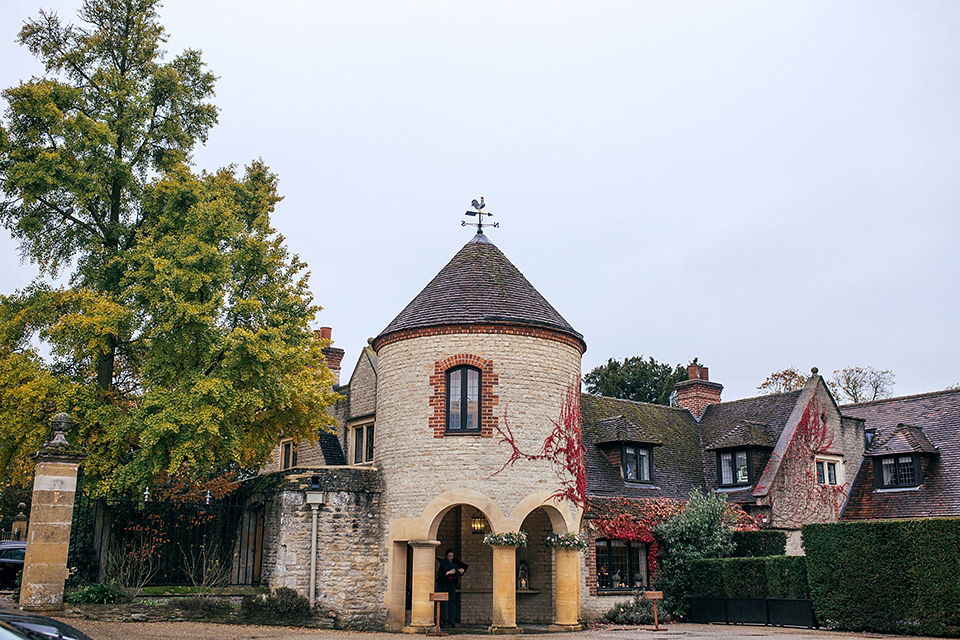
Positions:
{"x": 787, "y": 577}
{"x": 755, "y": 544}
{"x": 888, "y": 577}
{"x": 283, "y": 605}
{"x": 770, "y": 577}
{"x": 744, "y": 577}
{"x": 699, "y": 531}
{"x": 96, "y": 594}
{"x": 636, "y": 611}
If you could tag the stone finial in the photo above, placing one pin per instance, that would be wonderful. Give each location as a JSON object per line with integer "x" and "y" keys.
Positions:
{"x": 62, "y": 422}
{"x": 814, "y": 370}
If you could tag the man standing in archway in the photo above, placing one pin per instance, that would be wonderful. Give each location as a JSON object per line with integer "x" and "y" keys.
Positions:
{"x": 448, "y": 576}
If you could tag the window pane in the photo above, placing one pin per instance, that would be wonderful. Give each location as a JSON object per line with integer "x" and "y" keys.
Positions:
{"x": 293, "y": 456}
{"x": 453, "y": 399}
{"x": 636, "y": 573}
{"x": 905, "y": 470}
{"x": 619, "y": 578}
{"x": 832, "y": 472}
{"x": 643, "y": 465}
{"x": 726, "y": 468}
{"x": 820, "y": 476}
{"x": 742, "y": 475}
{"x": 358, "y": 445}
{"x": 473, "y": 399}
{"x": 369, "y": 443}
{"x": 286, "y": 451}
{"x": 889, "y": 471}
{"x": 603, "y": 564}
{"x": 630, "y": 463}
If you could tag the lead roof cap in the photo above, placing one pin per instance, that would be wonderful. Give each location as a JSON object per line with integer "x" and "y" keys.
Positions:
{"x": 479, "y": 286}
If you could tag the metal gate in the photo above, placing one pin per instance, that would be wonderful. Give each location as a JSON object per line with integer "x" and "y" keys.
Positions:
{"x": 154, "y": 543}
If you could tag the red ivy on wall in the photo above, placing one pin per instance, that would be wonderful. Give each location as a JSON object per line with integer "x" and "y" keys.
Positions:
{"x": 563, "y": 447}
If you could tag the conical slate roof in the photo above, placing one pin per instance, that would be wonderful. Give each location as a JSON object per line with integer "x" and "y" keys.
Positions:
{"x": 479, "y": 286}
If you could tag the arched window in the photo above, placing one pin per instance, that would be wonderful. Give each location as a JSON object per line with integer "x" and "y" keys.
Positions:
{"x": 463, "y": 399}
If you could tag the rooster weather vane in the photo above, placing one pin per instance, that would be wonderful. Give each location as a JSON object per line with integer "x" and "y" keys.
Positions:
{"x": 479, "y": 213}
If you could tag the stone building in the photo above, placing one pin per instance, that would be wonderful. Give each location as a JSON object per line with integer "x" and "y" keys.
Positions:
{"x": 477, "y": 353}
{"x": 478, "y": 367}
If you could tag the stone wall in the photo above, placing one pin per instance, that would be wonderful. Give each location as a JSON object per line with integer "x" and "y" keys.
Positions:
{"x": 533, "y": 375}
{"x": 796, "y": 496}
{"x": 350, "y": 551}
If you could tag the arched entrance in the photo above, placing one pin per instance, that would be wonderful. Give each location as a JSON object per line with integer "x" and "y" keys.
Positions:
{"x": 535, "y": 572}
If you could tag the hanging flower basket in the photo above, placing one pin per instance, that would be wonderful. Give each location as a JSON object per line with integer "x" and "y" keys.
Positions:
{"x": 506, "y": 539}
{"x": 567, "y": 541}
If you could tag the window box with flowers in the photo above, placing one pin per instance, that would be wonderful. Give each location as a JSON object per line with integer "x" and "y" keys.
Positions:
{"x": 566, "y": 541}
{"x": 506, "y": 539}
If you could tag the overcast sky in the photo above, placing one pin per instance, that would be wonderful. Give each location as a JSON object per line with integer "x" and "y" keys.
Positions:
{"x": 757, "y": 184}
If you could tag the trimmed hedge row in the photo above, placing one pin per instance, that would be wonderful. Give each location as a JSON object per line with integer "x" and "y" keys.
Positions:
{"x": 755, "y": 544}
{"x": 769, "y": 577}
{"x": 890, "y": 577}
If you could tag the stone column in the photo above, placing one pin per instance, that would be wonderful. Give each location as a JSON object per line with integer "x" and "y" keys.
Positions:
{"x": 19, "y": 530}
{"x": 422, "y": 615}
{"x": 566, "y": 615}
{"x": 504, "y": 590}
{"x": 51, "y": 514}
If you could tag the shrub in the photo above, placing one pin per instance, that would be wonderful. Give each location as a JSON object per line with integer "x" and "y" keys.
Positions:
{"x": 97, "y": 594}
{"x": 787, "y": 577}
{"x": 636, "y": 611}
{"x": 769, "y": 577}
{"x": 888, "y": 577}
{"x": 755, "y": 544}
{"x": 283, "y": 605}
{"x": 699, "y": 531}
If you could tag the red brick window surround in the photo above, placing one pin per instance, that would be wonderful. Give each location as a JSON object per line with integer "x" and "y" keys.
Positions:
{"x": 488, "y": 400}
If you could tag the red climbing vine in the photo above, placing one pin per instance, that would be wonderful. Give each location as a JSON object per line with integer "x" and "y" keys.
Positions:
{"x": 563, "y": 447}
{"x": 818, "y": 500}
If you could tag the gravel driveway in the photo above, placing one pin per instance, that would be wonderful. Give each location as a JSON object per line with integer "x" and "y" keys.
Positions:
{"x": 201, "y": 631}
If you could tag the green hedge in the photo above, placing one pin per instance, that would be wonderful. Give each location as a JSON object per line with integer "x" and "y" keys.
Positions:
{"x": 889, "y": 577}
{"x": 770, "y": 577}
{"x": 755, "y": 544}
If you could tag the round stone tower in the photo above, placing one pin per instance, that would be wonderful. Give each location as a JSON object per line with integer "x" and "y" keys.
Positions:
{"x": 477, "y": 355}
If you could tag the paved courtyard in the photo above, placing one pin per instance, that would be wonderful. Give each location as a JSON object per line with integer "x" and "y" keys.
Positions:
{"x": 100, "y": 630}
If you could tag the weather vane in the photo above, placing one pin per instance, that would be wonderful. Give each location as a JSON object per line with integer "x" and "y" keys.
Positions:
{"x": 479, "y": 213}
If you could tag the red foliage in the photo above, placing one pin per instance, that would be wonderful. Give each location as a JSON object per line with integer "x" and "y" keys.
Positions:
{"x": 811, "y": 437}
{"x": 563, "y": 447}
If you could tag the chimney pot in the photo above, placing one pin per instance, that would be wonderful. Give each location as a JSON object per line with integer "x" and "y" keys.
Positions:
{"x": 326, "y": 333}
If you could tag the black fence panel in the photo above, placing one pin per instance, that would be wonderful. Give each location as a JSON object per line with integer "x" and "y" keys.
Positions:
{"x": 782, "y": 612}
{"x": 746, "y": 610}
{"x": 153, "y": 543}
{"x": 791, "y": 612}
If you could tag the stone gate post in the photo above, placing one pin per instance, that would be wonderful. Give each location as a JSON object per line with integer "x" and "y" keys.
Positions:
{"x": 51, "y": 514}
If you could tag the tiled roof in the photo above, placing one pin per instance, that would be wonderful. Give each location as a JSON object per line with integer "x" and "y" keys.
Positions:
{"x": 677, "y": 466}
{"x": 748, "y": 433}
{"x": 330, "y": 446}
{"x": 479, "y": 286}
{"x": 938, "y": 415}
{"x": 901, "y": 439}
{"x": 749, "y": 423}
{"x": 771, "y": 411}
{"x": 620, "y": 429}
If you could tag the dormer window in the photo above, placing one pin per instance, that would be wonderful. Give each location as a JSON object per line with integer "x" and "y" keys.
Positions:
{"x": 637, "y": 463}
{"x": 734, "y": 468}
{"x": 463, "y": 400}
{"x": 899, "y": 471}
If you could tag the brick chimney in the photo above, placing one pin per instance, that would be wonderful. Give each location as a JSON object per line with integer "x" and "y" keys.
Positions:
{"x": 697, "y": 392}
{"x": 332, "y": 354}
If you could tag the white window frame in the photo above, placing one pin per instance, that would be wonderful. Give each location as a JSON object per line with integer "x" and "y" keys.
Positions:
{"x": 826, "y": 461}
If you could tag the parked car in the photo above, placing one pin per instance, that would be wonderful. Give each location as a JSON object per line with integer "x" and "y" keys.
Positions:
{"x": 11, "y": 562}
{"x": 35, "y": 626}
